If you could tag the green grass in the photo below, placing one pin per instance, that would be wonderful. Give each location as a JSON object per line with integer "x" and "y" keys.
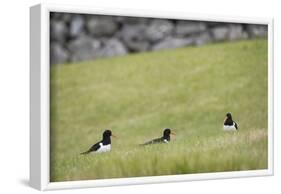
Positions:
{"x": 136, "y": 96}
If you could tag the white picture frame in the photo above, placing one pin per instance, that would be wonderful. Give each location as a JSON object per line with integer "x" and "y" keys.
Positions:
{"x": 40, "y": 94}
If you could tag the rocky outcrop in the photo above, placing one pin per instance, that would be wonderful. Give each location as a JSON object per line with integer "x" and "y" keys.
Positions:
{"x": 76, "y": 37}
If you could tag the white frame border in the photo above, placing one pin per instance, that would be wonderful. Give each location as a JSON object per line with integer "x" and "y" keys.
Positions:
{"x": 39, "y": 97}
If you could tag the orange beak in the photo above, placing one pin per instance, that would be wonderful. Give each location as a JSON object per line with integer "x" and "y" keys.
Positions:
{"x": 113, "y": 136}
{"x": 172, "y": 133}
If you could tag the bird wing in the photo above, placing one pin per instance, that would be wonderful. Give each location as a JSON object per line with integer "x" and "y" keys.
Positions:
{"x": 236, "y": 125}
{"x": 157, "y": 140}
{"x": 94, "y": 148}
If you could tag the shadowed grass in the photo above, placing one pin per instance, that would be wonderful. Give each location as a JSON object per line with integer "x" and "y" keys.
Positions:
{"x": 189, "y": 89}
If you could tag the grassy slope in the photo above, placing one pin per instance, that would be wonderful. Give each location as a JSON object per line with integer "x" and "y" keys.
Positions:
{"x": 189, "y": 89}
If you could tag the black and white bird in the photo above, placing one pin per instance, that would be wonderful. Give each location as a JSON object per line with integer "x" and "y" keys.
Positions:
{"x": 102, "y": 146}
{"x": 229, "y": 124}
{"x": 164, "y": 139}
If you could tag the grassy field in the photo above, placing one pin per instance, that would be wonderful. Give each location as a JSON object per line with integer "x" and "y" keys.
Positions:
{"x": 136, "y": 96}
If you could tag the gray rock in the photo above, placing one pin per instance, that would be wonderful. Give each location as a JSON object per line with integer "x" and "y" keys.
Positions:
{"x": 202, "y": 38}
{"x": 158, "y": 29}
{"x": 185, "y": 28}
{"x": 58, "y": 54}
{"x": 66, "y": 17}
{"x": 133, "y": 36}
{"x": 101, "y": 26}
{"x": 214, "y": 24}
{"x": 113, "y": 47}
{"x": 245, "y": 35}
{"x": 58, "y": 31}
{"x": 235, "y": 32}
{"x": 256, "y": 30}
{"x": 84, "y": 48}
{"x": 220, "y": 33}
{"x": 131, "y": 20}
{"x": 76, "y": 26}
{"x": 173, "y": 42}
{"x": 137, "y": 46}
{"x": 229, "y": 32}
{"x": 55, "y": 15}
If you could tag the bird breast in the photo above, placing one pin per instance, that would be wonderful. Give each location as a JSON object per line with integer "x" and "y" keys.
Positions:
{"x": 104, "y": 148}
{"x": 229, "y": 127}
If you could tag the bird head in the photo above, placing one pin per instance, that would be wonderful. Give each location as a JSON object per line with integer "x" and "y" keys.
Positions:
{"x": 228, "y": 115}
{"x": 107, "y": 133}
{"x": 167, "y": 132}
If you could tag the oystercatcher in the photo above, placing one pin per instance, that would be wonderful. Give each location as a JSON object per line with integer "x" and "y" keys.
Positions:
{"x": 229, "y": 124}
{"x": 102, "y": 146}
{"x": 164, "y": 139}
